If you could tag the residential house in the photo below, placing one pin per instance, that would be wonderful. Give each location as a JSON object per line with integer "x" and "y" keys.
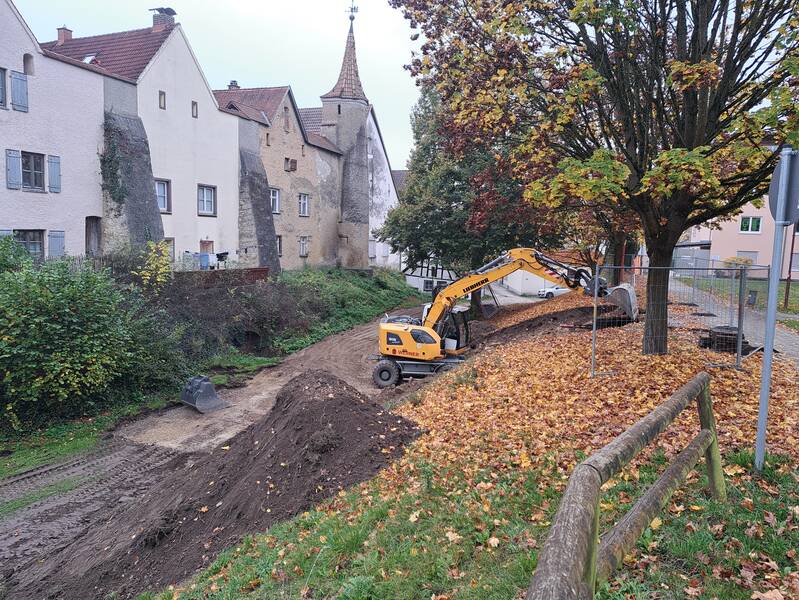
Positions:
{"x": 51, "y": 117}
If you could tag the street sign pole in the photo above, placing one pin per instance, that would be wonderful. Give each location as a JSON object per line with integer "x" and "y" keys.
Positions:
{"x": 779, "y": 211}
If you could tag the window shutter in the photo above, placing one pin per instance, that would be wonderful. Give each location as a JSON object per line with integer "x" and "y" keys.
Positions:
{"x": 55, "y": 243}
{"x": 13, "y": 169}
{"x": 54, "y": 173}
{"x": 19, "y": 91}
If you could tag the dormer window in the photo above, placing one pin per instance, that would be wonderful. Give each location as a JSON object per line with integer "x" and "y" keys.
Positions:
{"x": 89, "y": 59}
{"x": 162, "y": 100}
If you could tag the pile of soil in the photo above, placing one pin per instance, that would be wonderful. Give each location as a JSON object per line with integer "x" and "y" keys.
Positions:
{"x": 322, "y": 436}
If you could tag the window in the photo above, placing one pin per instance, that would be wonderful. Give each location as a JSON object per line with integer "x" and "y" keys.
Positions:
{"x": 32, "y": 240}
{"x": 420, "y": 336}
{"x": 304, "y": 245}
{"x": 19, "y": 91}
{"x": 428, "y": 285}
{"x": 162, "y": 100}
{"x": 372, "y": 250}
{"x": 32, "y": 171}
{"x": 279, "y": 242}
{"x": 194, "y": 109}
{"x": 750, "y": 224}
{"x": 339, "y": 109}
{"x": 289, "y": 164}
{"x": 207, "y": 246}
{"x": 303, "y": 149}
{"x": 434, "y": 271}
{"x": 274, "y": 199}
{"x": 27, "y": 64}
{"x": 286, "y": 118}
{"x": 268, "y": 143}
{"x": 794, "y": 262}
{"x": 162, "y": 189}
{"x": 206, "y": 200}
{"x": 3, "y": 100}
{"x": 392, "y": 339}
{"x": 305, "y": 205}
{"x": 170, "y": 243}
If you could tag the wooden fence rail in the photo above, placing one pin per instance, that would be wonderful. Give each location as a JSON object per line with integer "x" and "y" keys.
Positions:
{"x": 574, "y": 560}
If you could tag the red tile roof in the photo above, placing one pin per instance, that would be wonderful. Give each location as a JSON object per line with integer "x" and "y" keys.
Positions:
{"x": 247, "y": 112}
{"x": 266, "y": 99}
{"x": 322, "y": 142}
{"x": 125, "y": 54}
{"x": 348, "y": 85}
{"x": 400, "y": 177}
{"x": 312, "y": 119}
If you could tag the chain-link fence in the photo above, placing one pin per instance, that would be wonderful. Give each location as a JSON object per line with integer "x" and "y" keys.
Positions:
{"x": 710, "y": 304}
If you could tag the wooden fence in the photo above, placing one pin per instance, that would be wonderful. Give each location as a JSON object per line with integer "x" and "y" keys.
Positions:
{"x": 574, "y": 561}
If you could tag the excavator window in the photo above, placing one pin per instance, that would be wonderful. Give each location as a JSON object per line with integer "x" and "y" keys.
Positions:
{"x": 392, "y": 339}
{"x": 422, "y": 337}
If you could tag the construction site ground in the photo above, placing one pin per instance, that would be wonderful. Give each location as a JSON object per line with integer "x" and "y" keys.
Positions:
{"x": 64, "y": 503}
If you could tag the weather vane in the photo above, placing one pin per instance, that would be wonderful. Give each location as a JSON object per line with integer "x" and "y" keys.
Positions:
{"x": 352, "y": 10}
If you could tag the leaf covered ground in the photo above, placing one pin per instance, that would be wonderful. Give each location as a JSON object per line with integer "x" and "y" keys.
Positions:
{"x": 464, "y": 512}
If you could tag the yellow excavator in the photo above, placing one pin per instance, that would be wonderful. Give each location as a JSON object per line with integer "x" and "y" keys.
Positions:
{"x": 412, "y": 347}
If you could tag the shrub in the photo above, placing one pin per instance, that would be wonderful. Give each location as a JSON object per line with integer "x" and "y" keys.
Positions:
{"x": 13, "y": 255}
{"x": 71, "y": 342}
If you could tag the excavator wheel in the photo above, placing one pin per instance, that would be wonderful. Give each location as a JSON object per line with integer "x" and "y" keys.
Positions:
{"x": 386, "y": 373}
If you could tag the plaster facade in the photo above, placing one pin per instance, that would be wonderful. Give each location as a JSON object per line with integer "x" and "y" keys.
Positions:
{"x": 73, "y": 132}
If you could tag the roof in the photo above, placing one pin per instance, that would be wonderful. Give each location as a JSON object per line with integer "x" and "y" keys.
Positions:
{"x": 348, "y": 85}
{"x": 264, "y": 99}
{"x": 125, "y": 54}
{"x": 322, "y": 142}
{"x": 244, "y": 111}
{"x": 312, "y": 119}
{"x": 400, "y": 178}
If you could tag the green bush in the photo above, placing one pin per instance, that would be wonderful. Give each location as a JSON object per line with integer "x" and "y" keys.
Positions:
{"x": 13, "y": 255}
{"x": 70, "y": 341}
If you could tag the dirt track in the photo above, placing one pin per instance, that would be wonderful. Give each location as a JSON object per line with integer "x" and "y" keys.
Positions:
{"x": 141, "y": 453}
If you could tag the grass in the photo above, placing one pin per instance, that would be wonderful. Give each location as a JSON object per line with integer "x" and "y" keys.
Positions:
{"x": 61, "y": 487}
{"x": 31, "y": 450}
{"x": 367, "y": 545}
{"x": 233, "y": 368}
{"x": 721, "y": 287}
{"x": 792, "y": 323}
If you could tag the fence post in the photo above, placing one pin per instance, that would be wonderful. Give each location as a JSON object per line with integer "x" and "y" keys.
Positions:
{"x": 593, "y": 322}
{"x": 715, "y": 474}
{"x": 741, "y": 309}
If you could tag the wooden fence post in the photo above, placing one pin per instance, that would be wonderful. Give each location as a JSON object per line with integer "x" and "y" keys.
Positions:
{"x": 715, "y": 473}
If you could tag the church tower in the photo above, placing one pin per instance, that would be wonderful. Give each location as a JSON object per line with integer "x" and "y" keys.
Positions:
{"x": 345, "y": 112}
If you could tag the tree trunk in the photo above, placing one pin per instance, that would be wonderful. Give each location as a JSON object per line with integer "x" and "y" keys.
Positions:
{"x": 657, "y": 297}
{"x": 616, "y": 250}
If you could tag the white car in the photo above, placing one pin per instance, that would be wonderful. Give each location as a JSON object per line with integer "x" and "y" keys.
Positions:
{"x": 552, "y": 291}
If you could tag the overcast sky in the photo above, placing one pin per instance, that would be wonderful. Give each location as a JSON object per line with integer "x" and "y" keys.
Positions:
{"x": 270, "y": 42}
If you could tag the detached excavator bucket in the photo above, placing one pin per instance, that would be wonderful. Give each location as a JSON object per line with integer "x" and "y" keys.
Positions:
{"x": 200, "y": 394}
{"x": 624, "y": 297}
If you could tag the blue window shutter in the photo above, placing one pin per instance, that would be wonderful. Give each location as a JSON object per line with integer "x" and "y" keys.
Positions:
{"x": 54, "y": 173}
{"x": 19, "y": 91}
{"x": 13, "y": 169}
{"x": 55, "y": 243}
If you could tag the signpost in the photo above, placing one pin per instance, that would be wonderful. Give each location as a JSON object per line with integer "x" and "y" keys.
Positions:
{"x": 784, "y": 206}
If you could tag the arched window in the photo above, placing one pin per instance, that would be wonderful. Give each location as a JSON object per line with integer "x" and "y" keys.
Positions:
{"x": 27, "y": 64}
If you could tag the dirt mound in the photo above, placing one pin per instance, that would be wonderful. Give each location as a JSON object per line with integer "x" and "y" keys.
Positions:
{"x": 321, "y": 436}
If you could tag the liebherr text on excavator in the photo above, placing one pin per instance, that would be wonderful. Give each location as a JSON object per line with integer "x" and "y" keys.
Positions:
{"x": 411, "y": 347}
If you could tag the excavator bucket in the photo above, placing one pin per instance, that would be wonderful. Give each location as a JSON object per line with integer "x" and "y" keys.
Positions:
{"x": 200, "y": 394}
{"x": 624, "y": 297}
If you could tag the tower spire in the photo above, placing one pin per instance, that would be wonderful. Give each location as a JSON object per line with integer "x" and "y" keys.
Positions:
{"x": 349, "y": 85}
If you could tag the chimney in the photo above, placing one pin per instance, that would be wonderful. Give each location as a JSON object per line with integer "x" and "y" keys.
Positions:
{"x": 163, "y": 18}
{"x": 64, "y": 35}
{"x": 233, "y": 85}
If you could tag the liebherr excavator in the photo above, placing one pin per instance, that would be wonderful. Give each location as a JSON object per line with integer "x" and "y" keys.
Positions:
{"x": 411, "y": 347}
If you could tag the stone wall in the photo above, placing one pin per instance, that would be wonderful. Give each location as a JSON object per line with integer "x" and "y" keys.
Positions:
{"x": 130, "y": 209}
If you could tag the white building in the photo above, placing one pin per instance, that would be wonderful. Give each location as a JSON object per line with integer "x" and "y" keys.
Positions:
{"x": 50, "y": 192}
{"x": 193, "y": 146}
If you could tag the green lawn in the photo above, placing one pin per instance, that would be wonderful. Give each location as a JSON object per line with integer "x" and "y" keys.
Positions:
{"x": 367, "y": 545}
{"x": 61, "y": 487}
{"x": 792, "y": 323}
{"x": 721, "y": 287}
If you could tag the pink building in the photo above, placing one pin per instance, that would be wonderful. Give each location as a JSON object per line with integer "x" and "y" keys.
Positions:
{"x": 749, "y": 235}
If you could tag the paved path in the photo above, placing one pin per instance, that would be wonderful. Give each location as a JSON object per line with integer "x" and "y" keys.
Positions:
{"x": 725, "y": 310}
{"x": 505, "y": 296}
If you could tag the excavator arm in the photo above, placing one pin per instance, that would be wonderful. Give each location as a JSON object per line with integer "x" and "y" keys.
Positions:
{"x": 514, "y": 260}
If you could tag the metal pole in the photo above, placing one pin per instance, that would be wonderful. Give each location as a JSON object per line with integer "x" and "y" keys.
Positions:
{"x": 739, "y": 342}
{"x": 732, "y": 296}
{"x": 771, "y": 308}
{"x": 790, "y": 269}
{"x": 593, "y": 324}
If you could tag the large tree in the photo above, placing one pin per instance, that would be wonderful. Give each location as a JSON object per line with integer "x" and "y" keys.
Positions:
{"x": 669, "y": 108}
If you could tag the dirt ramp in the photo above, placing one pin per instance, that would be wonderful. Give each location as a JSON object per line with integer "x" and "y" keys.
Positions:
{"x": 321, "y": 436}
